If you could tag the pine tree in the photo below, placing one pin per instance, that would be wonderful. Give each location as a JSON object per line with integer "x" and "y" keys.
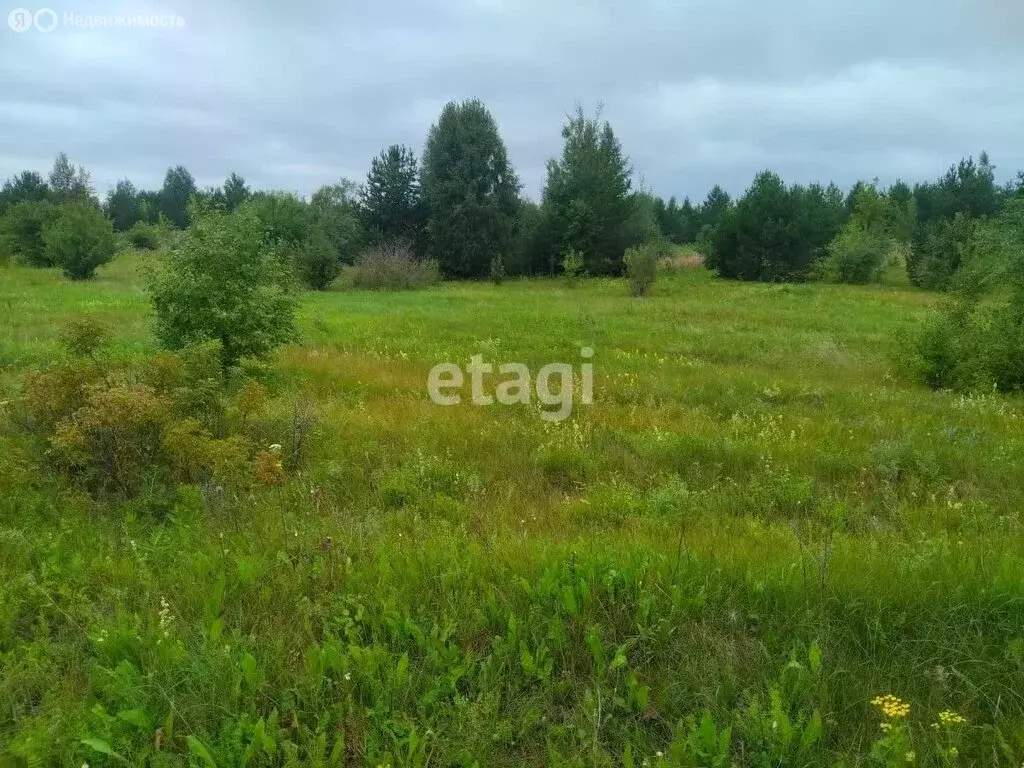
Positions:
{"x": 587, "y": 201}
{"x": 391, "y": 201}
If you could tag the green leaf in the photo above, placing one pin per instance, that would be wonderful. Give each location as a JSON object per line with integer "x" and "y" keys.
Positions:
{"x": 627, "y": 757}
{"x": 136, "y": 717}
{"x": 814, "y": 657}
{"x": 99, "y": 745}
{"x": 812, "y": 733}
{"x": 197, "y": 748}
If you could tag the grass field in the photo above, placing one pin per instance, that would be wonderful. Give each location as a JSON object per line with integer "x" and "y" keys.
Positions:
{"x": 762, "y": 523}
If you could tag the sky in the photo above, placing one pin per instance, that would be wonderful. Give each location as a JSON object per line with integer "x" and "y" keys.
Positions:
{"x": 296, "y": 95}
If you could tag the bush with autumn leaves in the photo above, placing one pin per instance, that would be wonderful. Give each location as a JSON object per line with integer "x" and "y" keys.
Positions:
{"x": 176, "y": 417}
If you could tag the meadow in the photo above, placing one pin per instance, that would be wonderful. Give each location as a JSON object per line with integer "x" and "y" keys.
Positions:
{"x": 764, "y": 522}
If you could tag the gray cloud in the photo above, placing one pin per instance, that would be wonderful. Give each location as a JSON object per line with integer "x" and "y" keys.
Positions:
{"x": 699, "y": 92}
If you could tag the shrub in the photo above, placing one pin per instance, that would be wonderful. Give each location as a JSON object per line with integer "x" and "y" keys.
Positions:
{"x": 316, "y": 261}
{"x": 498, "y": 270}
{"x": 572, "y": 266}
{"x": 149, "y": 237}
{"x": 977, "y": 342}
{"x": 393, "y": 265}
{"x": 857, "y": 255}
{"x": 224, "y": 282}
{"x": 173, "y": 419}
{"x": 642, "y": 267}
{"x": 937, "y": 251}
{"x": 21, "y": 231}
{"x": 80, "y": 239}
{"x": 285, "y": 216}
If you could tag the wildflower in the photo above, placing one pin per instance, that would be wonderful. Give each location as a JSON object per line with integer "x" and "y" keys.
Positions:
{"x": 275, "y": 448}
{"x": 910, "y": 757}
{"x": 891, "y": 706}
{"x": 165, "y": 616}
{"x": 950, "y": 718}
{"x": 659, "y": 755}
{"x": 348, "y": 675}
{"x": 954, "y": 752}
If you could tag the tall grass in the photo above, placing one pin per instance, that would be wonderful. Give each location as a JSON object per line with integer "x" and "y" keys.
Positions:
{"x": 761, "y": 524}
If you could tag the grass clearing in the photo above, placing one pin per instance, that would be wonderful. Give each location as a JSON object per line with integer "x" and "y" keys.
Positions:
{"x": 763, "y": 519}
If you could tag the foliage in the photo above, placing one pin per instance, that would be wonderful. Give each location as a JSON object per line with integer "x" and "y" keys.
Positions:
{"x": 715, "y": 206}
{"x": 938, "y": 250}
{"x": 573, "y": 265}
{"x": 148, "y": 236}
{"x": 393, "y": 266}
{"x": 587, "y": 203}
{"x": 79, "y": 240}
{"x": 642, "y": 267}
{"x": 123, "y": 430}
{"x": 26, "y": 186}
{"x": 334, "y": 213}
{"x": 391, "y": 203}
{"x": 286, "y": 218}
{"x": 498, "y": 273}
{"x": 235, "y": 191}
{"x": 977, "y": 341}
{"x": 856, "y": 255}
{"x": 679, "y": 224}
{"x": 470, "y": 191}
{"x": 317, "y": 260}
{"x": 174, "y": 196}
{"x": 224, "y": 282}
{"x": 757, "y": 520}
{"x": 68, "y": 184}
{"x": 21, "y": 231}
{"x": 774, "y": 233}
{"x": 122, "y": 205}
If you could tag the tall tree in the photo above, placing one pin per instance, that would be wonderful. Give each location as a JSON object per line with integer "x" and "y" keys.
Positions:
{"x": 391, "y": 202}
{"x": 178, "y": 187}
{"x": 587, "y": 201}
{"x": 774, "y": 232}
{"x": 714, "y": 207}
{"x": 236, "y": 192}
{"x": 470, "y": 190}
{"x": 68, "y": 183}
{"x": 335, "y": 220}
{"x": 122, "y": 205}
{"x": 28, "y": 186}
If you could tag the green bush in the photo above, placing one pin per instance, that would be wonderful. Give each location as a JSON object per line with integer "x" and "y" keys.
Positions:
{"x": 79, "y": 240}
{"x": 316, "y": 261}
{"x": 224, "y": 282}
{"x": 977, "y": 342}
{"x": 21, "y": 231}
{"x": 572, "y": 266}
{"x": 857, "y": 255}
{"x": 938, "y": 249}
{"x": 393, "y": 265}
{"x": 172, "y": 419}
{"x": 642, "y": 267}
{"x": 147, "y": 236}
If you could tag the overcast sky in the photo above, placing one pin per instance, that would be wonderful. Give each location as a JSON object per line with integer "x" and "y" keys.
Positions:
{"x": 294, "y": 95}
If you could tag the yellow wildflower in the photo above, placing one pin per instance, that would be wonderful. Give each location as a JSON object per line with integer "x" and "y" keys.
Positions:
{"x": 891, "y": 707}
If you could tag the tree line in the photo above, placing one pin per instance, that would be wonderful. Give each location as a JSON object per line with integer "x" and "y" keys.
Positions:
{"x": 461, "y": 205}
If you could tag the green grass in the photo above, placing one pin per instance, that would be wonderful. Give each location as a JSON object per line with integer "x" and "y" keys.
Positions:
{"x": 760, "y": 481}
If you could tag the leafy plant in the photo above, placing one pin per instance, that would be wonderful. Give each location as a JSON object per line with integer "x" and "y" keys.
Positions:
{"x": 79, "y": 240}
{"x": 224, "y": 282}
{"x": 642, "y": 267}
